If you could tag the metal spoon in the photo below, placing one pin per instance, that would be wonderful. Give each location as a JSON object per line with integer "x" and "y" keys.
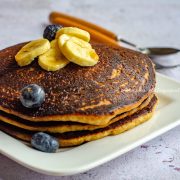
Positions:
{"x": 156, "y": 53}
{"x": 159, "y": 66}
{"x": 153, "y": 51}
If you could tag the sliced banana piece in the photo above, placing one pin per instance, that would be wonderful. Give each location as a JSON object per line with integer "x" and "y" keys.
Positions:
{"x": 52, "y": 60}
{"x": 73, "y": 31}
{"x": 54, "y": 44}
{"x": 62, "y": 39}
{"x": 78, "y": 51}
{"x": 31, "y": 50}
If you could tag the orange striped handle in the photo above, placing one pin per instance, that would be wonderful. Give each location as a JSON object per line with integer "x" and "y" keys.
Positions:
{"x": 95, "y": 35}
{"x": 104, "y": 31}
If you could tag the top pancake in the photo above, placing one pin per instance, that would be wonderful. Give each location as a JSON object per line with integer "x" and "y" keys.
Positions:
{"x": 120, "y": 81}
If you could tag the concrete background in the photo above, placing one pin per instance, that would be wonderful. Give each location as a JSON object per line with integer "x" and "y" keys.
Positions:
{"x": 147, "y": 23}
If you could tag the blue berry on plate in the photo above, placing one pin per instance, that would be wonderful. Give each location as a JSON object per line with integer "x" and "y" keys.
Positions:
{"x": 50, "y": 31}
{"x": 44, "y": 142}
{"x": 32, "y": 96}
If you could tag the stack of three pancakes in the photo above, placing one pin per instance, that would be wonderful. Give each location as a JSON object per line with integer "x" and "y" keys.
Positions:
{"x": 82, "y": 103}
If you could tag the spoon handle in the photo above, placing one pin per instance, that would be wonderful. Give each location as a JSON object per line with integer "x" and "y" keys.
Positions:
{"x": 126, "y": 42}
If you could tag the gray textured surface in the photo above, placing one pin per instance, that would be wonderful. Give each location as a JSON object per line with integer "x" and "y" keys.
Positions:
{"x": 155, "y": 22}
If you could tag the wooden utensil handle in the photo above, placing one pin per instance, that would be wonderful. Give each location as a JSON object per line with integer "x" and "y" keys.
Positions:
{"x": 95, "y": 35}
{"x": 104, "y": 31}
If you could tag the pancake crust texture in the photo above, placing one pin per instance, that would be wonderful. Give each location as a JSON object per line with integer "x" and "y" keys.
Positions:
{"x": 120, "y": 82}
{"x": 78, "y": 137}
{"x": 60, "y": 126}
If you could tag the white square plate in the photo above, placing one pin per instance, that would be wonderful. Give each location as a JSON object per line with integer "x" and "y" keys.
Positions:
{"x": 82, "y": 158}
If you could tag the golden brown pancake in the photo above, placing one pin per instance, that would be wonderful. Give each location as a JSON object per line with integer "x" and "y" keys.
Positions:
{"x": 60, "y": 126}
{"x": 78, "y": 137}
{"x": 120, "y": 82}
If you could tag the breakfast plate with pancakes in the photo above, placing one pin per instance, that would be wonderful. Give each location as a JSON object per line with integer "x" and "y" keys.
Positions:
{"x": 94, "y": 101}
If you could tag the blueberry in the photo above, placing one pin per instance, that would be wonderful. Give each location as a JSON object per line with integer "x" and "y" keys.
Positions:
{"x": 50, "y": 31}
{"x": 44, "y": 142}
{"x": 32, "y": 96}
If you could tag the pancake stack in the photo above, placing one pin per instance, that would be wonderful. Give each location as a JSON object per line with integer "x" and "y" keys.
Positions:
{"x": 82, "y": 103}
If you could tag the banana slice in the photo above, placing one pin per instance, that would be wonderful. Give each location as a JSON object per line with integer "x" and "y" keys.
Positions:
{"x": 31, "y": 50}
{"x": 54, "y": 44}
{"x": 78, "y": 51}
{"x": 52, "y": 60}
{"x": 62, "y": 39}
{"x": 73, "y": 31}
